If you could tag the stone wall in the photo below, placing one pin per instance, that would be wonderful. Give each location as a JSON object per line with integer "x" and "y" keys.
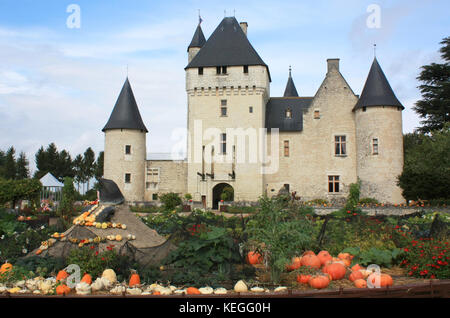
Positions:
{"x": 172, "y": 178}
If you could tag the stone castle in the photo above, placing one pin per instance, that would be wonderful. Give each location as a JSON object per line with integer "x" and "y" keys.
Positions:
{"x": 240, "y": 136}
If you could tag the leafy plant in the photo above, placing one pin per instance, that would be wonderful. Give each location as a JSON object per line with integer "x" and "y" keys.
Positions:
{"x": 374, "y": 255}
{"x": 170, "y": 200}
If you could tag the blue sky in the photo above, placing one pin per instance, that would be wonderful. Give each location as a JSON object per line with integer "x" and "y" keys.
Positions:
{"x": 59, "y": 84}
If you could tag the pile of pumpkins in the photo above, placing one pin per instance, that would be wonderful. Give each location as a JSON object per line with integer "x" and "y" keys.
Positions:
{"x": 328, "y": 268}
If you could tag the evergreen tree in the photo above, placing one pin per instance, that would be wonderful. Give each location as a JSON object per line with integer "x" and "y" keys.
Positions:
{"x": 88, "y": 166}
{"x": 435, "y": 104}
{"x": 2, "y": 163}
{"x": 78, "y": 170}
{"x": 41, "y": 163}
{"x": 64, "y": 166}
{"x": 22, "y": 170}
{"x": 10, "y": 164}
{"x": 99, "y": 165}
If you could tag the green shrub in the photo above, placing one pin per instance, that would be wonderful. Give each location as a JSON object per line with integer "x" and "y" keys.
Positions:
{"x": 368, "y": 201}
{"x": 353, "y": 196}
{"x": 170, "y": 200}
{"x": 13, "y": 190}
{"x": 316, "y": 202}
{"x": 68, "y": 198}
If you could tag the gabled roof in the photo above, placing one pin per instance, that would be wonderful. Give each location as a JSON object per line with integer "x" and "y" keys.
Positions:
{"x": 276, "y": 112}
{"x": 125, "y": 113}
{"x": 227, "y": 46}
{"x": 50, "y": 181}
{"x": 377, "y": 91}
{"x": 290, "y": 90}
{"x": 198, "y": 40}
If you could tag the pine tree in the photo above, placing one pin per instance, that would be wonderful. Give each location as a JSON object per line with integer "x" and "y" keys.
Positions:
{"x": 10, "y": 164}
{"x": 41, "y": 163}
{"x": 64, "y": 166}
{"x": 99, "y": 165}
{"x": 88, "y": 164}
{"x": 2, "y": 163}
{"x": 78, "y": 170}
{"x": 22, "y": 170}
{"x": 435, "y": 104}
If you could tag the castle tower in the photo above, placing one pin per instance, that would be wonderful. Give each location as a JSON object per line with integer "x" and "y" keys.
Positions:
{"x": 227, "y": 84}
{"x": 379, "y": 138}
{"x": 125, "y": 146}
{"x": 198, "y": 40}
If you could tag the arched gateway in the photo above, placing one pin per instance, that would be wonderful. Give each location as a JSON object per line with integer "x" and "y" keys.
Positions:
{"x": 217, "y": 192}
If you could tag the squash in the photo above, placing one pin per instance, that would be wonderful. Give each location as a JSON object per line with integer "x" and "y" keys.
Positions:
{"x": 6, "y": 267}
{"x": 355, "y": 275}
{"x": 86, "y": 279}
{"x": 62, "y": 289}
{"x": 135, "y": 280}
{"x": 295, "y": 264}
{"x": 324, "y": 257}
{"x": 303, "y": 279}
{"x": 336, "y": 270}
{"x": 319, "y": 281}
{"x": 192, "y": 291}
{"x": 385, "y": 279}
{"x": 110, "y": 275}
{"x": 311, "y": 261}
{"x": 254, "y": 258}
{"x": 360, "y": 283}
{"x": 240, "y": 287}
{"x": 356, "y": 267}
{"x": 62, "y": 274}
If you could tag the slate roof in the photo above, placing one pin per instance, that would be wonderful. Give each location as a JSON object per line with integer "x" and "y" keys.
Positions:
{"x": 227, "y": 46}
{"x": 377, "y": 91}
{"x": 198, "y": 40}
{"x": 276, "y": 112}
{"x": 290, "y": 90}
{"x": 125, "y": 113}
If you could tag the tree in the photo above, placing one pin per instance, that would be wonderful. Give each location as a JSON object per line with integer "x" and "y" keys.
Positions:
{"x": 426, "y": 172}
{"x": 2, "y": 163}
{"x": 10, "y": 164}
{"x": 435, "y": 105}
{"x": 68, "y": 198}
{"x": 41, "y": 163}
{"x": 64, "y": 167}
{"x": 22, "y": 170}
{"x": 78, "y": 170}
{"x": 99, "y": 165}
{"x": 88, "y": 165}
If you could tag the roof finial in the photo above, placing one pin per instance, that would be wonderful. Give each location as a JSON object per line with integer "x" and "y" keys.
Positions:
{"x": 127, "y": 70}
{"x": 290, "y": 69}
{"x": 375, "y": 50}
{"x": 199, "y": 17}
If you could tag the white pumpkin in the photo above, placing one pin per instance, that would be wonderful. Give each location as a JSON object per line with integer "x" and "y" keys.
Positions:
{"x": 240, "y": 287}
{"x": 83, "y": 288}
{"x": 110, "y": 275}
{"x": 280, "y": 289}
{"x": 206, "y": 290}
{"x": 257, "y": 289}
{"x": 134, "y": 291}
{"x": 220, "y": 291}
{"x": 118, "y": 290}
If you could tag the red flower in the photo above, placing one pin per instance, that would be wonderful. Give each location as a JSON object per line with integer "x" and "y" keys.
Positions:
{"x": 103, "y": 258}
{"x": 349, "y": 212}
{"x": 96, "y": 253}
{"x": 406, "y": 249}
{"x": 92, "y": 247}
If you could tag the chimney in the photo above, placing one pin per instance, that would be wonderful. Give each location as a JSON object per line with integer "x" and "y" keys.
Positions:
{"x": 333, "y": 63}
{"x": 244, "y": 26}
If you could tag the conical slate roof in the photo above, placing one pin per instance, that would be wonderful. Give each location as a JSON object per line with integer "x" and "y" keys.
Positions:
{"x": 227, "y": 46}
{"x": 125, "y": 113}
{"x": 290, "y": 90}
{"x": 377, "y": 91}
{"x": 198, "y": 40}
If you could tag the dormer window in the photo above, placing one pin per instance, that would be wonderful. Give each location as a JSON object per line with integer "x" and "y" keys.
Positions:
{"x": 288, "y": 113}
{"x": 245, "y": 69}
{"x": 200, "y": 71}
{"x": 221, "y": 70}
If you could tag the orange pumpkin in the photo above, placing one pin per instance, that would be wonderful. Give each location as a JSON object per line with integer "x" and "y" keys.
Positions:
{"x": 62, "y": 289}
{"x": 295, "y": 264}
{"x": 356, "y": 275}
{"x": 62, "y": 274}
{"x": 192, "y": 291}
{"x": 87, "y": 279}
{"x": 324, "y": 257}
{"x": 303, "y": 279}
{"x": 385, "y": 279}
{"x": 356, "y": 267}
{"x": 319, "y": 281}
{"x": 308, "y": 253}
{"x": 156, "y": 293}
{"x": 336, "y": 270}
{"x": 134, "y": 279}
{"x": 311, "y": 261}
{"x": 38, "y": 251}
{"x": 344, "y": 255}
{"x": 254, "y": 258}
{"x": 6, "y": 267}
{"x": 360, "y": 283}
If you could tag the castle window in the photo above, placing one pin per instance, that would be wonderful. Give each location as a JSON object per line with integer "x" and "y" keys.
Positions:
{"x": 127, "y": 177}
{"x": 223, "y": 107}
{"x": 221, "y": 70}
{"x": 250, "y": 109}
{"x": 155, "y": 196}
{"x": 316, "y": 114}
{"x": 224, "y": 70}
{"x": 153, "y": 175}
{"x": 245, "y": 69}
{"x": 340, "y": 146}
{"x": 288, "y": 113}
{"x": 286, "y": 148}
{"x": 333, "y": 184}
{"x": 200, "y": 71}
{"x": 364, "y": 108}
{"x": 223, "y": 143}
{"x": 375, "y": 146}
{"x": 218, "y": 69}
{"x": 128, "y": 149}
{"x": 286, "y": 186}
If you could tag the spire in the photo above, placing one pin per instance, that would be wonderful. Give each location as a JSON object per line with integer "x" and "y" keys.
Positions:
{"x": 290, "y": 90}
{"x": 377, "y": 91}
{"x": 125, "y": 113}
{"x": 198, "y": 40}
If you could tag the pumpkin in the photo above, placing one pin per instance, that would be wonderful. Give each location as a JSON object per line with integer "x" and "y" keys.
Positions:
{"x": 303, "y": 279}
{"x": 324, "y": 257}
{"x": 356, "y": 275}
{"x": 360, "y": 283}
{"x": 240, "y": 287}
{"x": 254, "y": 258}
{"x": 385, "y": 279}
{"x": 110, "y": 275}
{"x": 311, "y": 261}
{"x": 87, "y": 279}
{"x": 134, "y": 279}
{"x": 295, "y": 264}
{"x": 62, "y": 289}
{"x": 356, "y": 267}
{"x": 344, "y": 255}
{"x": 6, "y": 267}
{"x": 156, "y": 293}
{"x": 62, "y": 274}
{"x": 192, "y": 291}
{"x": 336, "y": 270}
{"x": 308, "y": 253}
{"x": 39, "y": 251}
{"x": 319, "y": 282}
